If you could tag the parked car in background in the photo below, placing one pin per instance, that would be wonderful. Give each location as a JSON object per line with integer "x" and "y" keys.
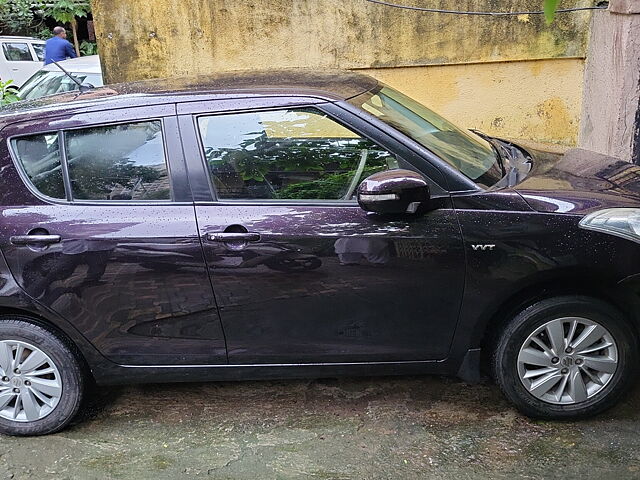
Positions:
{"x": 20, "y": 57}
{"x": 292, "y": 224}
{"x": 50, "y": 79}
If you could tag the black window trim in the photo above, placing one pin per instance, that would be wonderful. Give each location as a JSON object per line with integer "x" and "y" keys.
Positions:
{"x": 265, "y": 201}
{"x": 69, "y": 200}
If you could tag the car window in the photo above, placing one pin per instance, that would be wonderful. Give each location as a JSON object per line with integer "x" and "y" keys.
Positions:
{"x": 118, "y": 162}
{"x": 38, "y": 48}
{"x": 287, "y": 154}
{"x": 39, "y": 156}
{"x": 17, "y": 52}
{"x": 44, "y": 83}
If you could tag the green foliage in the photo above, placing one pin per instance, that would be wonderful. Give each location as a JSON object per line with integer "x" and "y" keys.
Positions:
{"x": 8, "y": 93}
{"x": 550, "y": 7}
{"x": 20, "y": 16}
{"x": 66, "y": 11}
{"x": 44, "y": 33}
{"x": 294, "y": 168}
{"x": 88, "y": 48}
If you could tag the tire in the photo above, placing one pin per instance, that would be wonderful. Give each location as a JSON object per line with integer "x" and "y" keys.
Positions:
{"x": 577, "y": 390}
{"x": 56, "y": 386}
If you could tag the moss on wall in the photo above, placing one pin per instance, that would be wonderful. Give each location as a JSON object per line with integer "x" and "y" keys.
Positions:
{"x": 143, "y": 39}
{"x": 477, "y": 70}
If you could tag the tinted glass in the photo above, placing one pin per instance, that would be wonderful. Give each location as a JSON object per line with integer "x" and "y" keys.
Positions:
{"x": 462, "y": 149}
{"x": 118, "y": 162}
{"x": 40, "y": 159}
{"x": 39, "y": 49}
{"x": 287, "y": 154}
{"x": 17, "y": 52}
{"x": 45, "y": 83}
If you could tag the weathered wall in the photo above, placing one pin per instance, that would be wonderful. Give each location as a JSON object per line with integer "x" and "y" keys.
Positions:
{"x": 476, "y": 70}
{"x": 535, "y": 99}
{"x": 611, "y": 108}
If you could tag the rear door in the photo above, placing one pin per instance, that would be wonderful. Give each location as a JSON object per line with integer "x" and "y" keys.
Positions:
{"x": 301, "y": 273}
{"x": 99, "y": 227}
{"x": 20, "y": 61}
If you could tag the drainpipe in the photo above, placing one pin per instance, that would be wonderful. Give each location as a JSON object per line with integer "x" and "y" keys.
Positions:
{"x": 610, "y": 121}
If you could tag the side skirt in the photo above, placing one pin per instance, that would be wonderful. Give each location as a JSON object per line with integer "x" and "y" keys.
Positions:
{"x": 123, "y": 374}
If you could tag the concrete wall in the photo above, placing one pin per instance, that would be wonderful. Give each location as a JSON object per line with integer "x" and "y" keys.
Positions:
{"x": 611, "y": 107}
{"x": 511, "y": 76}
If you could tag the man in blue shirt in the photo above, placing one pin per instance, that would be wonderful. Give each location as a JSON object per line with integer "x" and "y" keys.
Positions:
{"x": 57, "y": 48}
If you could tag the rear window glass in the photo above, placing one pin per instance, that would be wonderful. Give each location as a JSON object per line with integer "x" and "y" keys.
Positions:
{"x": 17, "y": 52}
{"x": 118, "y": 162}
{"x": 44, "y": 83}
{"x": 39, "y": 156}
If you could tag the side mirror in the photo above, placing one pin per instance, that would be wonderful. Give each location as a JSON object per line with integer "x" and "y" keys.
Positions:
{"x": 393, "y": 191}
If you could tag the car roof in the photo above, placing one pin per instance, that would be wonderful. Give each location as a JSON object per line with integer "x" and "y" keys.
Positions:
{"x": 11, "y": 37}
{"x": 89, "y": 64}
{"x": 325, "y": 85}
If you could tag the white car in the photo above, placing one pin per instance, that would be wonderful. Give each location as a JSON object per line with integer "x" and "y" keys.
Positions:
{"x": 50, "y": 79}
{"x": 20, "y": 57}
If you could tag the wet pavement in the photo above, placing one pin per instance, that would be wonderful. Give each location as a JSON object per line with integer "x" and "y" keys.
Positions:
{"x": 370, "y": 428}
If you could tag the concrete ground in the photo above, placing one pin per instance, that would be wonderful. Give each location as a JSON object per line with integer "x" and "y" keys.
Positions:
{"x": 373, "y": 428}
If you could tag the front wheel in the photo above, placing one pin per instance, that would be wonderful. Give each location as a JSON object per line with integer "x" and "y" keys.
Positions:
{"x": 565, "y": 357}
{"x": 41, "y": 380}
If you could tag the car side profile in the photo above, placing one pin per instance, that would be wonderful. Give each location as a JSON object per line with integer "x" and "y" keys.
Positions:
{"x": 303, "y": 224}
{"x": 20, "y": 57}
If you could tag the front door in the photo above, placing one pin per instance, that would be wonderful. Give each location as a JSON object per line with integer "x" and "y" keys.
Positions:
{"x": 302, "y": 274}
{"x": 100, "y": 229}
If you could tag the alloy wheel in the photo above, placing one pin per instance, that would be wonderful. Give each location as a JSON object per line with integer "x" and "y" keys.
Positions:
{"x": 30, "y": 383}
{"x": 567, "y": 360}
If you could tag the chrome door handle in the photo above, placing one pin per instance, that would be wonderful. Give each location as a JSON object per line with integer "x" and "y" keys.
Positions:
{"x": 233, "y": 237}
{"x": 34, "y": 239}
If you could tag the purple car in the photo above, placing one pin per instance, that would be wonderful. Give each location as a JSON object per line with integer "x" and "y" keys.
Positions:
{"x": 303, "y": 224}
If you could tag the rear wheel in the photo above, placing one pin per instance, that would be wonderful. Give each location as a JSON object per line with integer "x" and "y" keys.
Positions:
{"x": 565, "y": 357}
{"x": 41, "y": 380}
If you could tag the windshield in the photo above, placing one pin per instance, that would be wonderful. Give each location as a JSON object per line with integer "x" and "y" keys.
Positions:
{"x": 45, "y": 83}
{"x": 462, "y": 149}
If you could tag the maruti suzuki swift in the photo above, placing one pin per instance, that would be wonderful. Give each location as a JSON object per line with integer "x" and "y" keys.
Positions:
{"x": 303, "y": 224}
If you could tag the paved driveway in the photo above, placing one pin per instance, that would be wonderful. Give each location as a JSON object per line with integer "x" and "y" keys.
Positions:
{"x": 388, "y": 428}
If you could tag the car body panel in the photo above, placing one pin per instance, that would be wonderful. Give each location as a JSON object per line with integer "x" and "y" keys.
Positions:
{"x": 388, "y": 309}
{"x": 406, "y": 318}
{"x": 137, "y": 290}
{"x": 19, "y": 71}
{"x": 579, "y": 182}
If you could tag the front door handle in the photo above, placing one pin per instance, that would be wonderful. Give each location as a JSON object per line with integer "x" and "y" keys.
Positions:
{"x": 233, "y": 237}
{"x": 35, "y": 239}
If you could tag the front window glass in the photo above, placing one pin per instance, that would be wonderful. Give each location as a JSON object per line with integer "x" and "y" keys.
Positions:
{"x": 45, "y": 83}
{"x": 118, "y": 162}
{"x": 287, "y": 154}
{"x": 39, "y": 156}
{"x": 17, "y": 52}
{"x": 462, "y": 149}
{"x": 39, "y": 49}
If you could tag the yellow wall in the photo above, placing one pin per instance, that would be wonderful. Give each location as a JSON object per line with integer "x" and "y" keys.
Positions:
{"x": 536, "y": 99}
{"x": 483, "y": 72}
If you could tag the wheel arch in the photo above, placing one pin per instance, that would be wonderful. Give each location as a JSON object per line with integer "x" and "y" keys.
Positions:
{"x": 78, "y": 344}
{"x": 616, "y": 294}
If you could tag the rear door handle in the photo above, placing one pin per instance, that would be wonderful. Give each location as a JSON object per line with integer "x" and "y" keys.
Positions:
{"x": 35, "y": 239}
{"x": 233, "y": 237}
